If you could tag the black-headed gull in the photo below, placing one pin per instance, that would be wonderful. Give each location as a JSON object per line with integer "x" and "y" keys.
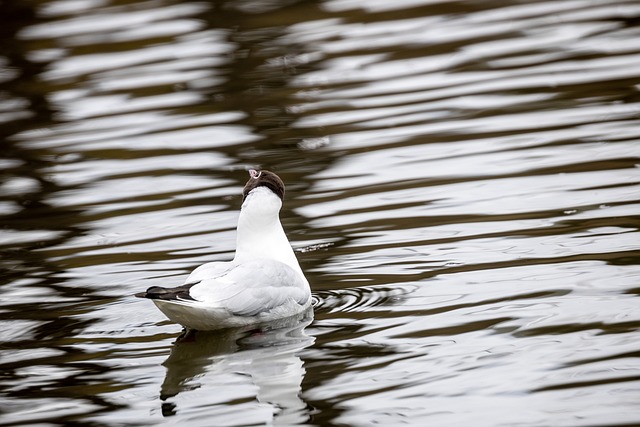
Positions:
{"x": 262, "y": 283}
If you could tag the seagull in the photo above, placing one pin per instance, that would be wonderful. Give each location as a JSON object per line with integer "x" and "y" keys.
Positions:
{"x": 262, "y": 283}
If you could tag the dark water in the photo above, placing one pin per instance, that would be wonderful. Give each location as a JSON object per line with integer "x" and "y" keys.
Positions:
{"x": 463, "y": 191}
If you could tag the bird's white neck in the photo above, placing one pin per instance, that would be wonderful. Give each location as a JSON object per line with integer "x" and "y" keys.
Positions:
{"x": 260, "y": 233}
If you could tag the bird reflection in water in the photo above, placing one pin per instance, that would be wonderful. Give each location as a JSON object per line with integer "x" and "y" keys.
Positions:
{"x": 267, "y": 354}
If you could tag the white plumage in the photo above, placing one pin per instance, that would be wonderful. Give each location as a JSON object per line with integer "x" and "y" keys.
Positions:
{"x": 263, "y": 282}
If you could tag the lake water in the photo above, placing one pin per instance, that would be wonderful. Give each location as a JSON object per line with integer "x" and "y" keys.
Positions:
{"x": 463, "y": 192}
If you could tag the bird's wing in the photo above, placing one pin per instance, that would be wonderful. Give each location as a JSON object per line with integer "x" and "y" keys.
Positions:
{"x": 208, "y": 270}
{"x": 181, "y": 293}
{"x": 253, "y": 287}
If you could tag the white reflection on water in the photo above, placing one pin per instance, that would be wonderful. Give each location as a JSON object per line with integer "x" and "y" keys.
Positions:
{"x": 212, "y": 370}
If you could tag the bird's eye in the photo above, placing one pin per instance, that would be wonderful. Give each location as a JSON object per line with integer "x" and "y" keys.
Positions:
{"x": 255, "y": 174}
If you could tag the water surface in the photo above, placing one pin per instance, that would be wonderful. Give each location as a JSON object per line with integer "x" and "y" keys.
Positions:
{"x": 463, "y": 192}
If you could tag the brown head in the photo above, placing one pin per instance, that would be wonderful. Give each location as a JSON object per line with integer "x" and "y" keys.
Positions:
{"x": 264, "y": 178}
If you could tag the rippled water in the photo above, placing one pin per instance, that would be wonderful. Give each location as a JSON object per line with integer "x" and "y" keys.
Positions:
{"x": 463, "y": 193}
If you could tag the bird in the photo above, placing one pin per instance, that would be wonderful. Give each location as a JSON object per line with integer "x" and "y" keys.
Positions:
{"x": 262, "y": 283}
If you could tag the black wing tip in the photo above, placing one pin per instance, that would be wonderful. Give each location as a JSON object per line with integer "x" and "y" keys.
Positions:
{"x": 158, "y": 292}
{"x": 153, "y": 292}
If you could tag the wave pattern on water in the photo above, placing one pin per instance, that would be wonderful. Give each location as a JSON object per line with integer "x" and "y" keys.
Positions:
{"x": 463, "y": 191}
